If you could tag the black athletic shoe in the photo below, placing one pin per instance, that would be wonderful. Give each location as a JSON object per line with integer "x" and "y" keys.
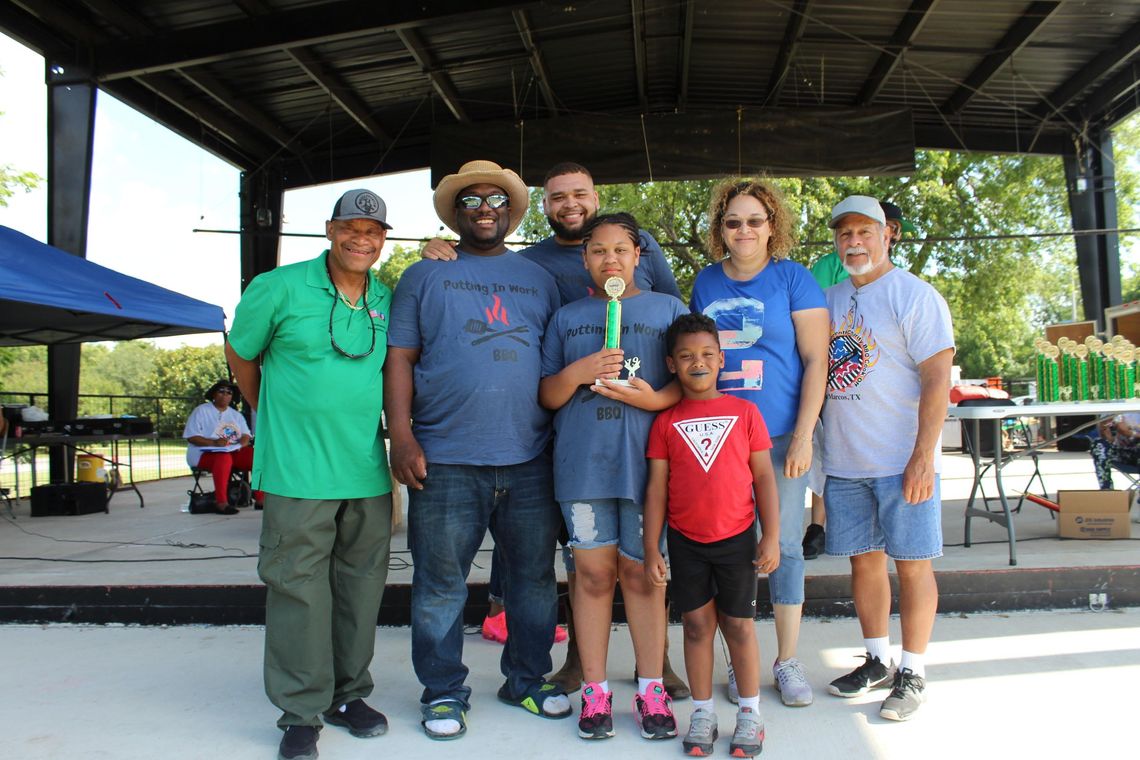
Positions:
{"x": 907, "y": 694}
{"x": 872, "y": 674}
{"x": 813, "y": 541}
{"x": 360, "y": 719}
{"x": 299, "y": 743}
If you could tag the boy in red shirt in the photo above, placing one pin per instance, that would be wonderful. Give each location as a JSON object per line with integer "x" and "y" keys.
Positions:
{"x": 710, "y": 473}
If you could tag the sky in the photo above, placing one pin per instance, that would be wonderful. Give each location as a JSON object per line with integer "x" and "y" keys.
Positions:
{"x": 150, "y": 189}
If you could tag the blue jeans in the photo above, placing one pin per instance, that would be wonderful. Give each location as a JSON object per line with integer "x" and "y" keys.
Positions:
{"x": 871, "y": 514}
{"x": 786, "y": 584}
{"x": 447, "y": 522}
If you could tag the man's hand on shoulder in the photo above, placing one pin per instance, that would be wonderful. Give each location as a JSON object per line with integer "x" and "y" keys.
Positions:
{"x": 438, "y": 249}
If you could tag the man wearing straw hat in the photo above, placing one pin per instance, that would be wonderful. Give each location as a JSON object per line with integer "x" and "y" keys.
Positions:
{"x": 307, "y": 347}
{"x": 464, "y": 363}
{"x": 888, "y": 385}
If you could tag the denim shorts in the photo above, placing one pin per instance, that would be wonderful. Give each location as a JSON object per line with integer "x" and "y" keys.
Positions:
{"x": 594, "y": 523}
{"x": 870, "y": 514}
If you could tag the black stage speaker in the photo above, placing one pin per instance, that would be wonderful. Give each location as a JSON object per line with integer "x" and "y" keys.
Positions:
{"x": 69, "y": 499}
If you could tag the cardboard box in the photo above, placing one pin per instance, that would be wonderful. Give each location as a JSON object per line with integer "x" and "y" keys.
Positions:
{"x": 1094, "y": 514}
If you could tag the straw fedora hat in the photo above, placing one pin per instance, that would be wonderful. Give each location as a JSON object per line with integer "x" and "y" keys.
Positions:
{"x": 475, "y": 173}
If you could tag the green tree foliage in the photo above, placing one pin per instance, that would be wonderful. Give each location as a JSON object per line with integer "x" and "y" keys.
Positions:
{"x": 187, "y": 371}
{"x": 13, "y": 180}
{"x": 392, "y": 267}
{"x": 1001, "y": 291}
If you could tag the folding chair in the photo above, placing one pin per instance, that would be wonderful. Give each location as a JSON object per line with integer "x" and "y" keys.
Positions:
{"x": 239, "y": 492}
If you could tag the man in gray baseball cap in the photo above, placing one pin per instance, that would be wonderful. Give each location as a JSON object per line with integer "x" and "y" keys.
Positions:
{"x": 361, "y": 204}
{"x": 316, "y": 332}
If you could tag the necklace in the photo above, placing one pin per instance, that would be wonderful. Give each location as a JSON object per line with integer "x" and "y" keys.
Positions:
{"x": 346, "y": 302}
{"x": 343, "y": 298}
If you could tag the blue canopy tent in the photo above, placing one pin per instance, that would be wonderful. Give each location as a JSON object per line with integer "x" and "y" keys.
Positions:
{"x": 48, "y": 296}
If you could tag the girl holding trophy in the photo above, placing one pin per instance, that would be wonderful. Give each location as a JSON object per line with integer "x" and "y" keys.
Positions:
{"x": 617, "y": 336}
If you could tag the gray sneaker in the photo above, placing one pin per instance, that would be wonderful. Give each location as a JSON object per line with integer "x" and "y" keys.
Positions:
{"x": 703, "y": 731}
{"x": 748, "y": 738}
{"x": 907, "y": 694}
{"x": 733, "y": 692}
{"x": 791, "y": 682}
{"x": 872, "y": 674}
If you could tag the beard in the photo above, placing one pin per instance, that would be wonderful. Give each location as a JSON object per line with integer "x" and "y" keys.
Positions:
{"x": 566, "y": 233}
{"x": 858, "y": 269}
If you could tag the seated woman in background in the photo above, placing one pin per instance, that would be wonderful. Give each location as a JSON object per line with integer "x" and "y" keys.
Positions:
{"x": 1119, "y": 443}
{"x": 218, "y": 440}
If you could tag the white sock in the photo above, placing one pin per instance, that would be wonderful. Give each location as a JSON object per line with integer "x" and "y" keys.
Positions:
{"x": 915, "y": 663}
{"x": 643, "y": 684}
{"x": 556, "y": 705}
{"x": 752, "y": 703}
{"x": 444, "y": 727}
{"x": 704, "y": 704}
{"x": 604, "y": 686}
{"x": 879, "y": 647}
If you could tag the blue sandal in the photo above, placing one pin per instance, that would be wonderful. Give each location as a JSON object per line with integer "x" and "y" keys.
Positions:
{"x": 448, "y": 710}
{"x": 534, "y": 699}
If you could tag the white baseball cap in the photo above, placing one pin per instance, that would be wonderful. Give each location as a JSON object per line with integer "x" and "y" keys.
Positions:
{"x": 857, "y": 204}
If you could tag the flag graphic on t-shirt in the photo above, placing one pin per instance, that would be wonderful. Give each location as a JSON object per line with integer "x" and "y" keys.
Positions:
{"x": 705, "y": 436}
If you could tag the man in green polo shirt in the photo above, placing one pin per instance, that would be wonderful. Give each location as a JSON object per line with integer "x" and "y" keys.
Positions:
{"x": 307, "y": 346}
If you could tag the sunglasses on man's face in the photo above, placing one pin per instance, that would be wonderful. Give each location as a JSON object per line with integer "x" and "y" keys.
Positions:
{"x": 472, "y": 202}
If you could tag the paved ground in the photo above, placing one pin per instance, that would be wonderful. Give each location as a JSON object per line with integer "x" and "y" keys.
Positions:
{"x": 1025, "y": 685}
{"x": 162, "y": 544}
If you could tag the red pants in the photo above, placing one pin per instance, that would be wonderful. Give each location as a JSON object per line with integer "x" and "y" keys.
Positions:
{"x": 221, "y": 464}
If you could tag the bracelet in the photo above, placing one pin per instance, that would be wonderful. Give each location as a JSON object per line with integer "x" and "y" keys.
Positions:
{"x": 801, "y": 436}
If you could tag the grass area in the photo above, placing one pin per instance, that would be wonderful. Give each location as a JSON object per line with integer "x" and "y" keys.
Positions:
{"x": 148, "y": 459}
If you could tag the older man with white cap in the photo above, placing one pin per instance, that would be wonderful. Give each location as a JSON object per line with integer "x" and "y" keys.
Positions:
{"x": 471, "y": 442}
{"x": 307, "y": 347}
{"x": 891, "y": 348}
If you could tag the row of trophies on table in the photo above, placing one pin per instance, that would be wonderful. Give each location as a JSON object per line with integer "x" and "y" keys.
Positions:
{"x": 1094, "y": 370}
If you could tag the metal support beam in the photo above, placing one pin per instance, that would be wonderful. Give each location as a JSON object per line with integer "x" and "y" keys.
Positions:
{"x": 1013, "y": 41}
{"x": 440, "y": 81}
{"x": 1115, "y": 100}
{"x": 281, "y": 30}
{"x": 341, "y": 93}
{"x": 637, "y": 13}
{"x": 536, "y": 62}
{"x": 793, "y": 32}
{"x": 71, "y": 135}
{"x": 260, "y": 195}
{"x": 1091, "y": 184}
{"x": 1122, "y": 50}
{"x": 909, "y": 28}
{"x": 253, "y": 116}
{"x": 686, "y": 56}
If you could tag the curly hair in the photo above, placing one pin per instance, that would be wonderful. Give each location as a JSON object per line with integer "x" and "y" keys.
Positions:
{"x": 781, "y": 241}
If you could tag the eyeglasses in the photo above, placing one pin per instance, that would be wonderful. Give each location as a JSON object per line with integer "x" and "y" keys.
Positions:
{"x": 755, "y": 222}
{"x": 472, "y": 202}
{"x": 226, "y": 391}
{"x": 363, "y": 307}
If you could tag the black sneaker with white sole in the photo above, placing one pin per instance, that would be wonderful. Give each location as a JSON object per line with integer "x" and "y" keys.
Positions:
{"x": 872, "y": 674}
{"x": 360, "y": 719}
{"x": 908, "y": 692}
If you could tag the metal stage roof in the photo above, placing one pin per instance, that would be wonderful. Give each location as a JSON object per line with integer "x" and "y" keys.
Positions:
{"x": 335, "y": 89}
